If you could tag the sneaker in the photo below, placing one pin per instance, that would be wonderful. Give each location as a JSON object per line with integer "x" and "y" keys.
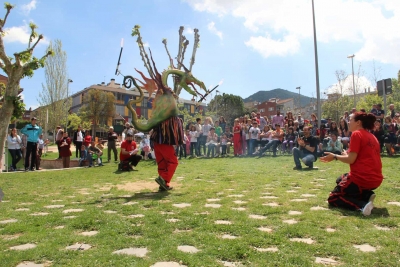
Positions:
{"x": 161, "y": 182}
{"x": 90, "y": 166}
{"x": 366, "y": 211}
{"x": 296, "y": 168}
{"x": 372, "y": 198}
{"x": 32, "y": 169}
{"x": 26, "y": 169}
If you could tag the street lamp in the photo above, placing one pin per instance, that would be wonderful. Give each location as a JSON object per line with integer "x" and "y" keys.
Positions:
{"x": 216, "y": 101}
{"x": 352, "y": 71}
{"x": 298, "y": 88}
{"x": 316, "y": 67}
{"x": 66, "y": 115}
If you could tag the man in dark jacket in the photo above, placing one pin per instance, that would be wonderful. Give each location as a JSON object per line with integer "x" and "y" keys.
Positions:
{"x": 111, "y": 143}
{"x": 79, "y": 137}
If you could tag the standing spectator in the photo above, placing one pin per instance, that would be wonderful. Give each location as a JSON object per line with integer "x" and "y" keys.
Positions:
{"x": 278, "y": 119}
{"x": 374, "y": 110}
{"x": 193, "y": 141}
{"x": 32, "y": 131}
{"x": 390, "y": 128}
{"x": 65, "y": 149}
{"x": 14, "y": 143}
{"x": 379, "y": 133}
{"x": 307, "y": 150}
{"x": 212, "y": 140}
{"x": 111, "y": 143}
{"x": 354, "y": 189}
{"x": 391, "y": 110}
{"x": 187, "y": 142}
{"x": 300, "y": 121}
{"x": 254, "y": 133}
{"x": 59, "y": 136}
{"x": 346, "y": 116}
{"x": 218, "y": 129}
{"x": 229, "y": 137}
{"x": 206, "y": 130}
{"x": 79, "y": 137}
{"x": 222, "y": 123}
{"x": 380, "y": 113}
{"x": 344, "y": 133}
{"x": 237, "y": 147}
{"x": 353, "y": 110}
{"x": 199, "y": 130}
{"x": 314, "y": 124}
{"x": 40, "y": 145}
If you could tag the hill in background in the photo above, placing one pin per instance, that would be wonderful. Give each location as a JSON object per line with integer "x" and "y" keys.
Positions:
{"x": 262, "y": 96}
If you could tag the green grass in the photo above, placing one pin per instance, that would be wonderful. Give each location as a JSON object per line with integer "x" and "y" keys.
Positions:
{"x": 225, "y": 179}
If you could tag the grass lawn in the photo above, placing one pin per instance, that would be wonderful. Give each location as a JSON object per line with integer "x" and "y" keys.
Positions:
{"x": 234, "y": 211}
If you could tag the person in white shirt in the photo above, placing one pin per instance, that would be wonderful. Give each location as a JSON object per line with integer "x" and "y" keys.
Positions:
{"x": 14, "y": 147}
{"x": 193, "y": 140}
{"x": 79, "y": 137}
{"x": 254, "y": 132}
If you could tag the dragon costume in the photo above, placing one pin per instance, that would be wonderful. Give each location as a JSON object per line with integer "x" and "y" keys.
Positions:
{"x": 165, "y": 126}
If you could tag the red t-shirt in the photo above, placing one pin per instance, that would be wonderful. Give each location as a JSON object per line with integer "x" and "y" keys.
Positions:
{"x": 129, "y": 146}
{"x": 366, "y": 171}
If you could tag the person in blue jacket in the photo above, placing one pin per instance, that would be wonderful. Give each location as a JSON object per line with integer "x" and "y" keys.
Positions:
{"x": 32, "y": 132}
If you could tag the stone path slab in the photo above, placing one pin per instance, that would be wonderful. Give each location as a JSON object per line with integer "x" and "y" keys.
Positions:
{"x": 259, "y": 217}
{"x": 135, "y": 216}
{"x": 182, "y": 205}
{"x": 8, "y": 221}
{"x": 239, "y": 209}
{"x": 299, "y": 199}
{"x": 290, "y": 221}
{"x": 23, "y": 247}
{"x": 22, "y": 209}
{"x": 79, "y": 246}
{"x": 223, "y": 222}
{"x": 382, "y": 228}
{"x": 188, "y": 249}
{"x": 270, "y": 249}
{"x": 226, "y": 236}
{"x": 394, "y": 203}
{"x": 54, "y": 206}
{"x": 213, "y": 200}
{"x": 365, "y": 248}
{"x": 73, "y": 210}
{"x": 168, "y": 264}
{"x": 40, "y": 214}
{"x": 326, "y": 261}
{"x": 265, "y": 229}
{"x": 29, "y": 264}
{"x": 138, "y": 252}
{"x": 89, "y": 233}
{"x": 318, "y": 208}
{"x": 272, "y": 204}
{"x": 172, "y": 220}
{"x": 330, "y": 230}
{"x": 294, "y": 212}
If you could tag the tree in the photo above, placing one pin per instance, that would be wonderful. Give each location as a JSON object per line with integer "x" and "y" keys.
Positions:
{"x": 227, "y": 105}
{"x": 22, "y": 65}
{"x": 98, "y": 108}
{"x": 53, "y": 97}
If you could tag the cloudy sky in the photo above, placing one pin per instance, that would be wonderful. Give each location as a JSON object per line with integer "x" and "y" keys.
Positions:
{"x": 250, "y": 45}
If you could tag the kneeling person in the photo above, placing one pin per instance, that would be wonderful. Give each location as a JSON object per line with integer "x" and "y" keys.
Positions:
{"x": 129, "y": 151}
{"x": 307, "y": 150}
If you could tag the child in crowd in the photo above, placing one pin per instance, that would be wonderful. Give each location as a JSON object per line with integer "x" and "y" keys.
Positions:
{"x": 212, "y": 140}
{"x": 224, "y": 143}
{"x": 290, "y": 139}
{"x": 254, "y": 133}
{"x": 193, "y": 140}
{"x": 187, "y": 142}
{"x": 145, "y": 147}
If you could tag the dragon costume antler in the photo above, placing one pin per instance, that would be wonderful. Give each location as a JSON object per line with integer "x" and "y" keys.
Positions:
{"x": 164, "y": 104}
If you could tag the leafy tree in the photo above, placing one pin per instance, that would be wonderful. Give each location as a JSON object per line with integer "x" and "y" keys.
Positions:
{"x": 98, "y": 108}
{"x": 22, "y": 65}
{"x": 227, "y": 105}
{"x": 53, "y": 97}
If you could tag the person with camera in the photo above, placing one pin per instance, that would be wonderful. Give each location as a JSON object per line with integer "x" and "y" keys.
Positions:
{"x": 354, "y": 189}
{"x": 129, "y": 151}
{"x": 307, "y": 150}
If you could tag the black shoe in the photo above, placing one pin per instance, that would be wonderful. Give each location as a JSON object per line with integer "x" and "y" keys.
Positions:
{"x": 161, "y": 182}
{"x": 297, "y": 168}
{"x": 161, "y": 189}
{"x": 32, "y": 169}
{"x": 26, "y": 169}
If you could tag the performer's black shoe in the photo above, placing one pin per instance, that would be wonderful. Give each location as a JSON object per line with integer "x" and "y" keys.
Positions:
{"x": 161, "y": 182}
{"x": 161, "y": 189}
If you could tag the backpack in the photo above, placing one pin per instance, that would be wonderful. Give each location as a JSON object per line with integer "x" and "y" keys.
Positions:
{"x": 124, "y": 166}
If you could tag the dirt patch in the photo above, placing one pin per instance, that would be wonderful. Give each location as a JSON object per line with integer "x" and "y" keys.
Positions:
{"x": 140, "y": 186}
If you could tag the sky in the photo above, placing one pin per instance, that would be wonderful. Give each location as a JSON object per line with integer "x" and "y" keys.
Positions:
{"x": 245, "y": 46}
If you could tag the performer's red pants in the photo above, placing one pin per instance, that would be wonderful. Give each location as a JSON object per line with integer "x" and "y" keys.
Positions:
{"x": 166, "y": 161}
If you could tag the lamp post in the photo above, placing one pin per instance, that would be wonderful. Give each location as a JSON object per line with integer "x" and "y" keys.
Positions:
{"x": 352, "y": 73}
{"x": 316, "y": 67}
{"x": 66, "y": 101}
{"x": 216, "y": 101}
{"x": 298, "y": 88}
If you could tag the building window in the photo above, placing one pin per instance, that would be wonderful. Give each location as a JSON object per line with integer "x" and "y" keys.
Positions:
{"x": 262, "y": 110}
{"x": 271, "y": 109}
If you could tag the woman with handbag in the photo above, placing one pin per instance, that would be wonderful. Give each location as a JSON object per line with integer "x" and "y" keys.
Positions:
{"x": 14, "y": 143}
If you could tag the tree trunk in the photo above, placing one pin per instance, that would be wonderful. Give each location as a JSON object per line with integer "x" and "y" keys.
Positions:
{"x": 7, "y": 110}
